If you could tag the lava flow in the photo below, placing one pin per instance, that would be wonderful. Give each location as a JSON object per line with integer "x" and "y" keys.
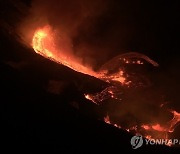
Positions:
{"x": 113, "y": 72}
{"x": 43, "y": 44}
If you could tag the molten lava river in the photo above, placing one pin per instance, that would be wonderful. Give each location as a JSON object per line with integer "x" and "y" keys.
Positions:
{"x": 121, "y": 77}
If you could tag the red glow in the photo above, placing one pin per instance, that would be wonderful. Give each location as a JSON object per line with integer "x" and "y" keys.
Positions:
{"x": 146, "y": 127}
{"x": 158, "y": 127}
{"x": 43, "y": 44}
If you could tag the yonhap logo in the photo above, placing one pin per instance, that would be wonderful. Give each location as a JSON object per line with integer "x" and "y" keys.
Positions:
{"x": 136, "y": 141}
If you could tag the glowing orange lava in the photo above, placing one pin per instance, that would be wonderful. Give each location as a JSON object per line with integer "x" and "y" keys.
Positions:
{"x": 158, "y": 128}
{"x": 146, "y": 127}
{"x": 43, "y": 43}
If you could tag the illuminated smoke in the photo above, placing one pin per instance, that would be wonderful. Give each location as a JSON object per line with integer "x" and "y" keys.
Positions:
{"x": 61, "y": 31}
{"x": 114, "y": 73}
